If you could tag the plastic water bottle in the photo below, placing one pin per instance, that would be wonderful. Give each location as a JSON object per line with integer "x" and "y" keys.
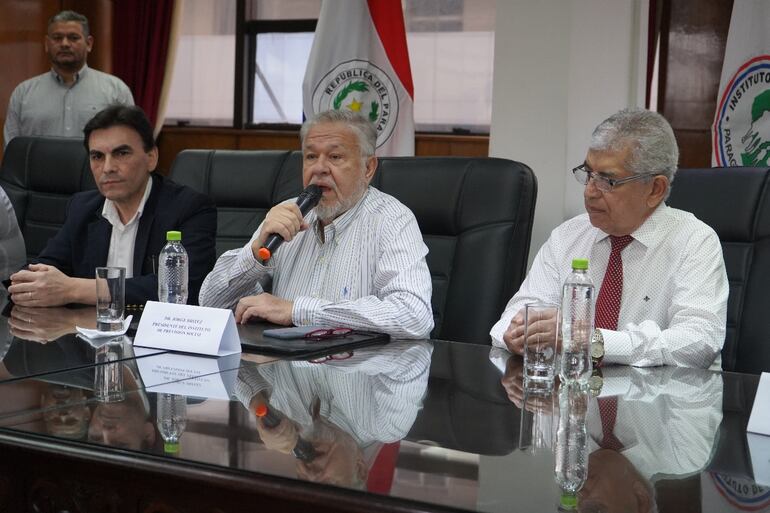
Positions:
{"x": 172, "y": 420}
{"x": 577, "y": 324}
{"x": 173, "y": 270}
{"x": 571, "y": 467}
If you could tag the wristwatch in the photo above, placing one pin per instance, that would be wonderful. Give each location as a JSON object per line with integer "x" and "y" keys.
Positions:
{"x": 597, "y": 348}
{"x": 595, "y": 382}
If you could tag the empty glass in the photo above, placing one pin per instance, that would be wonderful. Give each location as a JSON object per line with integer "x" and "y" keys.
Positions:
{"x": 110, "y": 298}
{"x": 541, "y": 321}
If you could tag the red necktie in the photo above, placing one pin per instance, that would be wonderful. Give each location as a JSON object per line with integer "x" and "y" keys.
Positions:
{"x": 608, "y": 302}
{"x": 382, "y": 470}
{"x": 608, "y": 411}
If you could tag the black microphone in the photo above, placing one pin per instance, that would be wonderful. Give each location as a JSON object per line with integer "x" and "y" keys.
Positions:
{"x": 306, "y": 202}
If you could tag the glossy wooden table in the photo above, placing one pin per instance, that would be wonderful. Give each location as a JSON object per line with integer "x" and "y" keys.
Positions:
{"x": 412, "y": 426}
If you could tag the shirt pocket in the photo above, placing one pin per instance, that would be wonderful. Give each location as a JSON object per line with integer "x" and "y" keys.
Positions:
{"x": 86, "y": 111}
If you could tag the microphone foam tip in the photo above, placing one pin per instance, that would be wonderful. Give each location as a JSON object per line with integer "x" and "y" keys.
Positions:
{"x": 260, "y": 410}
{"x": 264, "y": 254}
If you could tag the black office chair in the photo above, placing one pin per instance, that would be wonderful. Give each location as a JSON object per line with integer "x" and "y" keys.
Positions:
{"x": 735, "y": 202}
{"x": 40, "y": 174}
{"x": 243, "y": 184}
{"x": 475, "y": 215}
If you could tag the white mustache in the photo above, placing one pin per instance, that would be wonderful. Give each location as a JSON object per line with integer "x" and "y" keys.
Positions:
{"x": 323, "y": 183}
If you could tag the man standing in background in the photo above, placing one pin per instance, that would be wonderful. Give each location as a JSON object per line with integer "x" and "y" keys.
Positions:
{"x": 61, "y": 101}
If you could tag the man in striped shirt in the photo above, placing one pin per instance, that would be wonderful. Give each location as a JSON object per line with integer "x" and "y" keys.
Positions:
{"x": 357, "y": 260}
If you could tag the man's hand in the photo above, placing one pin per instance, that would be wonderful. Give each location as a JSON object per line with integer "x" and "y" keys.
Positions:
{"x": 513, "y": 380}
{"x": 285, "y": 220}
{"x": 541, "y": 330}
{"x": 514, "y": 335}
{"x": 41, "y": 285}
{"x": 513, "y": 383}
{"x": 45, "y": 325}
{"x": 264, "y": 306}
{"x": 282, "y": 438}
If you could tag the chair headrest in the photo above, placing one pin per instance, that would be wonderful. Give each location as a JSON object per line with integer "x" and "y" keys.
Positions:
{"x": 734, "y": 201}
{"x": 471, "y": 192}
{"x": 54, "y": 165}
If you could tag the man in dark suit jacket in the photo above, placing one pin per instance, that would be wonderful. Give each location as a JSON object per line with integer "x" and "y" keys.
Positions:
{"x": 122, "y": 224}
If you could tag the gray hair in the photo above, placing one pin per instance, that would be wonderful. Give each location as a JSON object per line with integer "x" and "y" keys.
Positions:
{"x": 65, "y": 16}
{"x": 359, "y": 125}
{"x": 649, "y": 137}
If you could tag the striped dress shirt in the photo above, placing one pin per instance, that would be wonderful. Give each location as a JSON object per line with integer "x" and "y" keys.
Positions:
{"x": 368, "y": 272}
{"x": 374, "y": 396}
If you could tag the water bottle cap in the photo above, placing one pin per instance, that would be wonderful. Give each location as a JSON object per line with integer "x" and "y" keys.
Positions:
{"x": 171, "y": 447}
{"x": 568, "y": 500}
{"x": 580, "y": 264}
{"x": 173, "y": 235}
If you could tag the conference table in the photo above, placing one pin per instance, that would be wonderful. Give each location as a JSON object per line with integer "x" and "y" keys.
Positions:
{"x": 414, "y": 425}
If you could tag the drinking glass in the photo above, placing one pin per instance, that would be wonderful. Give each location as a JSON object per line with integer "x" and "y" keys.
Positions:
{"x": 108, "y": 377}
{"x": 110, "y": 298}
{"x": 541, "y": 321}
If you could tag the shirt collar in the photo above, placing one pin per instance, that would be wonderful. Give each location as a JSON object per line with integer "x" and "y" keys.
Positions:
{"x": 648, "y": 233}
{"x": 339, "y": 225}
{"x": 80, "y": 74}
{"x": 110, "y": 212}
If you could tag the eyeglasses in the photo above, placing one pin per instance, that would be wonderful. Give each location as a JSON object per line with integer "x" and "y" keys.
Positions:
{"x": 604, "y": 184}
{"x": 339, "y": 356}
{"x": 327, "y": 333}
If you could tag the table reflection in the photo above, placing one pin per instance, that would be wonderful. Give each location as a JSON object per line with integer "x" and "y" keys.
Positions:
{"x": 664, "y": 425}
{"x": 349, "y": 410}
{"x": 70, "y": 405}
{"x": 47, "y": 324}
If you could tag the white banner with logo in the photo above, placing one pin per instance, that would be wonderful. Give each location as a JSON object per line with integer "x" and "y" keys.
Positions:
{"x": 359, "y": 61}
{"x": 741, "y": 130}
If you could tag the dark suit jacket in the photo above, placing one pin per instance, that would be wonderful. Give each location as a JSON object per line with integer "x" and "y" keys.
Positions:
{"x": 82, "y": 243}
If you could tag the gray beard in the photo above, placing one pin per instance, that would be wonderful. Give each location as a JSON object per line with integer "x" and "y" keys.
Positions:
{"x": 328, "y": 213}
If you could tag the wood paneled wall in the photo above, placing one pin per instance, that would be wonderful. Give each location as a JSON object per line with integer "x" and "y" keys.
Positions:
{"x": 172, "y": 140}
{"x": 693, "y": 38}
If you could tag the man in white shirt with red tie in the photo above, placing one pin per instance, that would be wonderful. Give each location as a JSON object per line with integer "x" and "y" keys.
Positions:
{"x": 659, "y": 272}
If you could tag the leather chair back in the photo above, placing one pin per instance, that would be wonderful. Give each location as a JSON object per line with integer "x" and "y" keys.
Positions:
{"x": 735, "y": 202}
{"x": 475, "y": 215}
{"x": 243, "y": 184}
{"x": 39, "y": 175}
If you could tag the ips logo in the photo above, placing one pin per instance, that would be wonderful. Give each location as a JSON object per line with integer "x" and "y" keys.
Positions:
{"x": 742, "y": 493}
{"x": 742, "y": 123}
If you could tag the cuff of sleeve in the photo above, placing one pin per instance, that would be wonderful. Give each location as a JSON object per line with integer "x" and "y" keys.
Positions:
{"x": 249, "y": 384}
{"x": 306, "y": 309}
{"x": 498, "y": 330}
{"x": 250, "y": 266}
{"x": 617, "y": 347}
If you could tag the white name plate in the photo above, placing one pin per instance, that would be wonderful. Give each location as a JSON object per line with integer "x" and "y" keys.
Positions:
{"x": 759, "y": 421}
{"x": 759, "y": 448}
{"x": 188, "y": 375}
{"x": 187, "y": 328}
{"x": 758, "y": 434}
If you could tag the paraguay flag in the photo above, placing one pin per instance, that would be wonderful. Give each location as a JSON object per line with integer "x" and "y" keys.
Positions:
{"x": 359, "y": 61}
